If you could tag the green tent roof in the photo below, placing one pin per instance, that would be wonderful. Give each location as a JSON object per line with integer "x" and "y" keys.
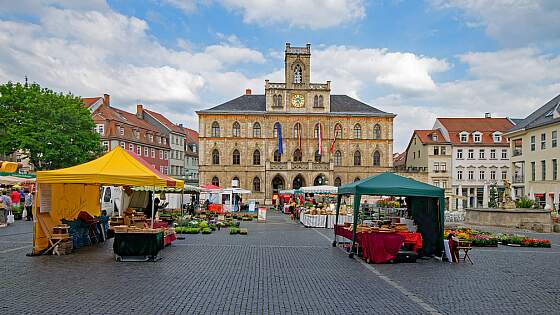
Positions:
{"x": 390, "y": 184}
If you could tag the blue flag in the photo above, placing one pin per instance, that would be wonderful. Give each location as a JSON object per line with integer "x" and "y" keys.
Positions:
{"x": 279, "y": 129}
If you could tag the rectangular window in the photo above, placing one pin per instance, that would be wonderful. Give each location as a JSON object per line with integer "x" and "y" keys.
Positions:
{"x": 418, "y": 153}
{"x": 414, "y": 155}
{"x": 436, "y": 166}
{"x": 554, "y": 137}
{"x": 481, "y": 175}
{"x": 161, "y": 169}
{"x": 131, "y": 147}
{"x": 159, "y": 140}
{"x": 459, "y": 175}
{"x": 471, "y": 154}
{"x": 436, "y": 150}
{"x": 138, "y": 150}
{"x": 554, "y": 169}
{"x": 442, "y": 150}
{"x": 459, "y": 153}
{"x": 145, "y": 151}
{"x": 543, "y": 170}
{"x": 153, "y": 153}
{"x": 492, "y": 154}
{"x": 493, "y": 175}
{"x": 444, "y": 184}
{"x": 123, "y": 145}
{"x": 165, "y": 155}
{"x": 151, "y": 137}
{"x": 471, "y": 175}
{"x": 543, "y": 141}
{"x": 121, "y": 131}
{"x": 464, "y": 137}
{"x": 533, "y": 141}
{"x": 436, "y": 183}
{"x": 161, "y": 154}
{"x": 481, "y": 154}
{"x": 443, "y": 166}
{"x": 105, "y": 145}
{"x": 497, "y": 138}
{"x": 504, "y": 154}
{"x": 533, "y": 171}
{"x": 477, "y": 138}
{"x": 504, "y": 174}
{"x": 100, "y": 128}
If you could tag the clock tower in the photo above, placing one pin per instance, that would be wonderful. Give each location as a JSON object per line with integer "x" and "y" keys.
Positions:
{"x": 297, "y": 93}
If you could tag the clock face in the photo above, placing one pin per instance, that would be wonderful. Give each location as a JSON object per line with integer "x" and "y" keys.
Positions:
{"x": 298, "y": 100}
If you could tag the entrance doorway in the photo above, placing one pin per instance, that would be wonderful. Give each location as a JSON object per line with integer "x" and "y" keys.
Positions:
{"x": 320, "y": 180}
{"x": 277, "y": 184}
{"x": 298, "y": 182}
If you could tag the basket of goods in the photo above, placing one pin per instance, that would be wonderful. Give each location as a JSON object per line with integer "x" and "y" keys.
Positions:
{"x": 120, "y": 228}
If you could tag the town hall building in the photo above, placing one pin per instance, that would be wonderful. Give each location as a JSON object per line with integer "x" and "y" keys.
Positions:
{"x": 296, "y": 134}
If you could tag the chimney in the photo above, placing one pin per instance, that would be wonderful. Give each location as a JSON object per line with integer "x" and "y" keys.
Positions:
{"x": 487, "y": 115}
{"x": 248, "y": 91}
{"x": 139, "y": 111}
{"x": 106, "y": 99}
{"x": 180, "y": 125}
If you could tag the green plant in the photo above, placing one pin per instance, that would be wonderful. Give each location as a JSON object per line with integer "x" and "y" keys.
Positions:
{"x": 524, "y": 202}
{"x": 233, "y": 230}
{"x": 206, "y": 230}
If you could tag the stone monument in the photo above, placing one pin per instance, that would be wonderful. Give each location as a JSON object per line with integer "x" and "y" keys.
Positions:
{"x": 507, "y": 201}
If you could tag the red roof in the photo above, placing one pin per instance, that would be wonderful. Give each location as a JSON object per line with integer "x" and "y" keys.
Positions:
{"x": 426, "y": 136}
{"x": 486, "y": 126}
{"x": 88, "y": 101}
{"x": 166, "y": 122}
{"x": 399, "y": 159}
{"x": 191, "y": 135}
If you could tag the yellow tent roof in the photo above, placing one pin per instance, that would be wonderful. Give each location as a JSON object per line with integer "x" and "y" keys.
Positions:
{"x": 117, "y": 167}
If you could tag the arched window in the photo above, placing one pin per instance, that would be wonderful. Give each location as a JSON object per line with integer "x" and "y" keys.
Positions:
{"x": 236, "y": 158}
{"x": 337, "y": 158}
{"x": 357, "y": 131}
{"x": 297, "y": 155}
{"x": 256, "y": 130}
{"x": 297, "y": 74}
{"x": 215, "y": 129}
{"x": 256, "y": 184}
{"x": 320, "y": 100}
{"x": 376, "y": 131}
{"x": 357, "y": 158}
{"x": 297, "y": 130}
{"x": 316, "y": 101}
{"x": 277, "y": 156}
{"x": 275, "y": 100}
{"x": 236, "y": 129}
{"x": 257, "y": 157}
{"x": 317, "y": 156}
{"x": 215, "y": 157}
{"x": 338, "y": 131}
{"x": 316, "y": 130}
{"x": 278, "y": 100}
{"x": 277, "y": 127}
{"x": 337, "y": 182}
{"x": 215, "y": 181}
{"x": 376, "y": 158}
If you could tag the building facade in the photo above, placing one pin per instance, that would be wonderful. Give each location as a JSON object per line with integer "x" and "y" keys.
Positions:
{"x": 430, "y": 151}
{"x": 296, "y": 134}
{"x": 480, "y": 157}
{"x": 536, "y": 154}
{"x": 117, "y": 127}
{"x": 191, "y": 157}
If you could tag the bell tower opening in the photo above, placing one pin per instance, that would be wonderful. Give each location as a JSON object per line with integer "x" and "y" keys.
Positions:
{"x": 297, "y": 65}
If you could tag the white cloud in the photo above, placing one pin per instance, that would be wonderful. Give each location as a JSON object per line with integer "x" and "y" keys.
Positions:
{"x": 513, "y": 22}
{"x": 312, "y": 14}
{"x": 187, "y": 6}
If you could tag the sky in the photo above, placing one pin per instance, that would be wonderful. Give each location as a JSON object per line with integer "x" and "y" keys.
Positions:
{"x": 417, "y": 59}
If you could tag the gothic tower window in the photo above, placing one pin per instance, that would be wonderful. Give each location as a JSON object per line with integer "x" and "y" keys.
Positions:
{"x": 337, "y": 158}
{"x": 256, "y": 184}
{"x": 297, "y": 155}
{"x": 297, "y": 74}
{"x": 215, "y": 157}
{"x": 275, "y": 100}
{"x": 320, "y": 100}
{"x": 357, "y": 158}
{"x": 236, "y": 158}
{"x": 316, "y": 101}
{"x": 256, "y": 130}
{"x": 377, "y": 131}
{"x": 257, "y": 157}
{"x": 215, "y": 129}
{"x": 280, "y": 104}
{"x": 236, "y": 129}
{"x": 357, "y": 131}
{"x": 376, "y": 158}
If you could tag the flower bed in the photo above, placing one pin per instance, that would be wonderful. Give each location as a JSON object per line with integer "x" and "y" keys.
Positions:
{"x": 482, "y": 239}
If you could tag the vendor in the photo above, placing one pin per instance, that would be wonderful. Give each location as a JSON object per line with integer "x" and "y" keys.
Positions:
{"x": 148, "y": 210}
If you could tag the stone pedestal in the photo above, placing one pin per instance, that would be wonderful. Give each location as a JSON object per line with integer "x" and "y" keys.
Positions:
{"x": 508, "y": 217}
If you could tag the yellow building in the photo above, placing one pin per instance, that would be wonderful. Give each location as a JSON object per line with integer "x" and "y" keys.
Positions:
{"x": 296, "y": 134}
{"x": 536, "y": 154}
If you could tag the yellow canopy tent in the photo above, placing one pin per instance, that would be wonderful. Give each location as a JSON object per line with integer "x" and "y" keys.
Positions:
{"x": 64, "y": 193}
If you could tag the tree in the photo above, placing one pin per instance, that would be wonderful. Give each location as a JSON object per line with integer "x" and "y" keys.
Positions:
{"x": 53, "y": 129}
{"x": 493, "y": 202}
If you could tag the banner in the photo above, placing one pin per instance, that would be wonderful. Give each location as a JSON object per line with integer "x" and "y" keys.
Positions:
{"x": 279, "y": 129}
{"x": 320, "y": 139}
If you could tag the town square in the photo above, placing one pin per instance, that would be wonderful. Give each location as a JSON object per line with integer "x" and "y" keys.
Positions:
{"x": 279, "y": 157}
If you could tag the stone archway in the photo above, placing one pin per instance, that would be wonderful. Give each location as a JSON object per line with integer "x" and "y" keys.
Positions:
{"x": 321, "y": 179}
{"x": 298, "y": 182}
{"x": 278, "y": 184}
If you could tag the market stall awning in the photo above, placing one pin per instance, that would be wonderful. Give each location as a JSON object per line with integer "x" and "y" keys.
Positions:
{"x": 237, "y": 191}
{"x": 319, "y": 189}
{"x": 210, "y": 187}
{"x": 289, "y": 192}
{"x": 187, "y": 189}
{"x": 390, "y": 184}
{"x": 12, "y": 180}
{"x": 117, "y": 167}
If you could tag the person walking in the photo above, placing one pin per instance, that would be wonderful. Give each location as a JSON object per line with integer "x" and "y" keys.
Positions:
{"x": 28, "y": 203}
{"x": 5, "y": 206}
{"x": 16, "y": 197}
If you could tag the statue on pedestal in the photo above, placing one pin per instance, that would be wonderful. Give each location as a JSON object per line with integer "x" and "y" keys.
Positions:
{"x": 507, "y": 201}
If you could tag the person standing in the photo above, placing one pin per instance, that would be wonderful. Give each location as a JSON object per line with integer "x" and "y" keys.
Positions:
{"x": 28, "y": 203}
{"x": 16, "y": 197}
{"x": 5, "y": 206}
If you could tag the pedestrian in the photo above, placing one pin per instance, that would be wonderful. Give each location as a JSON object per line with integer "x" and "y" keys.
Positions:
{"x": 28, "y": 203}
{"x": 5, "y": 206}
{"x": 16, "y": 197}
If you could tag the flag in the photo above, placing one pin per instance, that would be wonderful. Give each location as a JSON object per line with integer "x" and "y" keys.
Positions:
{"x": 320, "y": 139}
{"x": 299, "y": 139}
{"x": 279, "y": 129}
{"x": 336, "y": 135}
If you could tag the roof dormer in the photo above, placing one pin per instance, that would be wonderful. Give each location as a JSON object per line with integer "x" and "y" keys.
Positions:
{"x": 464, "y": 136}
{"x": 497, "y": 137}
{"x": 477, "y": 137}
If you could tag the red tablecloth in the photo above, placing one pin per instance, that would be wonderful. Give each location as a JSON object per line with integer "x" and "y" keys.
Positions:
{"x": 380, "y": 248}
{"x": 412, "y": 238}
{"x": 168, "y": 239}
{"x": 216, "y": 208}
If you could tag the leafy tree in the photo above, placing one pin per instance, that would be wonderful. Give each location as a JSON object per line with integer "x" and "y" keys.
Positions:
{"x": 493, "y": 202}
{"x": 53, "y": 129}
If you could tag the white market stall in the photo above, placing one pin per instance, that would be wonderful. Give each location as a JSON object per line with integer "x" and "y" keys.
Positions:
{"x": 323, "y": 215}
{"x": 230, "y": 197}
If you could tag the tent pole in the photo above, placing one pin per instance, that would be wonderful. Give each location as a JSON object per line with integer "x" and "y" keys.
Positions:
{"x": 153, "y": 205}
{"x": 357, "y": 198}
{"x": 338, "y": 199}
{"x": 34, "y": 214}
{"x": 182, "y": 200}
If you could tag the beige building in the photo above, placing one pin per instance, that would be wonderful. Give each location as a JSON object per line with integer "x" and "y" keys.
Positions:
{"x": 536, "y": 154}
{"x": 428, "y": 151}
{"x": 296, "y": 134}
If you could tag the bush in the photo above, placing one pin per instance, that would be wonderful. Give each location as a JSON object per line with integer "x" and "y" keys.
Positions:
{"x": 191, "y": 230}
{"x": 524, "y": 202}
{"x": 233, "y": 230}
{"x": 206, "y": 230}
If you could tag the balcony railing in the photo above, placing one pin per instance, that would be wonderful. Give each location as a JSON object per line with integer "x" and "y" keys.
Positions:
{"x": 517, "y": 152}
{"x": 276, "y": 85}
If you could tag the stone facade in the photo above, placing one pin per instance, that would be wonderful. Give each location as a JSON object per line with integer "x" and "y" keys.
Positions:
{"x": 244, "y": 133}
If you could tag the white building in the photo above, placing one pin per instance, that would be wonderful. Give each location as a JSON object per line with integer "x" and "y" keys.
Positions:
{"x": 480, "y": 157}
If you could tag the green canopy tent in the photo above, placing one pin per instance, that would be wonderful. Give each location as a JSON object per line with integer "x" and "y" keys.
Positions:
{"x": 425, "y": 201}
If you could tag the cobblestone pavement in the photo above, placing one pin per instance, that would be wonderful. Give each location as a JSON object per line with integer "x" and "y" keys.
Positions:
{"x": 279, "y": 268}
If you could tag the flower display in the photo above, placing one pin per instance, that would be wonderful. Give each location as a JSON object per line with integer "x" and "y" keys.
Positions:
{"x": 479, "y": 238}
